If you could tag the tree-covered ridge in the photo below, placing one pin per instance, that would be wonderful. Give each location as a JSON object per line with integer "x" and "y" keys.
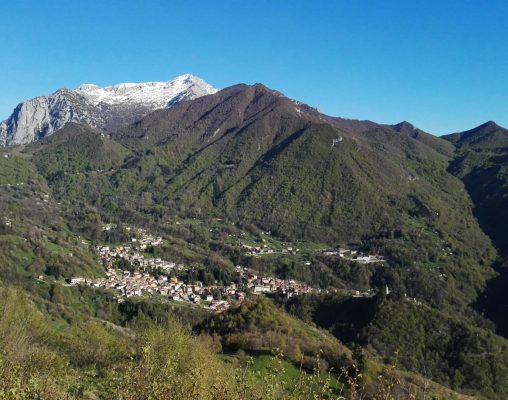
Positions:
{"x": 76, "y": 148}
{"x": 450, "y": 348}
{"x": 34, "y": 233}
{"x": 258, "y": 325}
{"x": 481, "y": 161}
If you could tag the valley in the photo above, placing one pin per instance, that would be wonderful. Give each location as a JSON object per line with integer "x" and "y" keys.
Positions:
{"x": 264, "y": 200}
{"x": 258, "y": 230}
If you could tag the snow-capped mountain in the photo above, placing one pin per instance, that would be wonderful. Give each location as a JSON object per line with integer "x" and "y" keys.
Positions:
{"x": 105, "y": 108}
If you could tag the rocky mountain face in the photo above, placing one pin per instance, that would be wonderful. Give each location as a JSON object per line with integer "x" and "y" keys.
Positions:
{"x": 104, "y": 108}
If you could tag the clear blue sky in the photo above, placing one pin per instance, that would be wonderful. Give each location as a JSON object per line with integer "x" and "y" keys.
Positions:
{"x": 442, "y": 65}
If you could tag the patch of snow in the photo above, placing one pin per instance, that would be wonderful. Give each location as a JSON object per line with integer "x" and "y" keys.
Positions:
{"x": 157, "y": 94}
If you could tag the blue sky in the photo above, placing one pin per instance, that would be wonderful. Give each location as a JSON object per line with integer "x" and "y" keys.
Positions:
{"x": 442, "y": 65}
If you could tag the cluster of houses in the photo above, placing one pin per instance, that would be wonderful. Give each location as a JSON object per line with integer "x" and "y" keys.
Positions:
{"x": 352, "y": 255}
{"x": 216, "y": 298}
{"x": 137, "y": 284}
{"x": 139, "y": 279}
{"x": 257, "y": 284}
{"x": 264, "y": 249}
{"x": 131, "y": 253}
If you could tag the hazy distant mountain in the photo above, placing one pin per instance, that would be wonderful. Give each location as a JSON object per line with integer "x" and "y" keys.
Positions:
{"x": 106, "y": 108}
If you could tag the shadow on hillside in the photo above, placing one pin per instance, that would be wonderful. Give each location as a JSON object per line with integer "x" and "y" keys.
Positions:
{"x": 493, "y": 301}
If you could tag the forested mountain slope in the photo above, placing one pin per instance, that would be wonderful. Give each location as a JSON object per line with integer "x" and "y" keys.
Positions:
{"x": 482, "y": 163}
{"x": 249, "y": 161}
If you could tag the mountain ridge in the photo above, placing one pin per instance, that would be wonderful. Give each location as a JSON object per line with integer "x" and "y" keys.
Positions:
{"x": 481, "y": 162}
{"x": 480, "y": 134}
{"x": 255, "y": 157}
{"x": 105, "y": 108}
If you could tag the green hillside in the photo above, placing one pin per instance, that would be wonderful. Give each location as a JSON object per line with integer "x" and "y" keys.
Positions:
{"x": 250, "y": 167}
{"x": 257, "y": 158}
{"x": 481, "y": 162}
{"x": 459, "y": 351}
{"x": 76, "y": 149}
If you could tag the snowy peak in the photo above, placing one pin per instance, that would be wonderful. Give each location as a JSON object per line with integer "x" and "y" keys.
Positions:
{"x": 106, "y": 108}
{"x": 158, "y": 93}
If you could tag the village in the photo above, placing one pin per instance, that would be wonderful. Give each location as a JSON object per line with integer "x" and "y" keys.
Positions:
{"x": 144, "y": 276}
